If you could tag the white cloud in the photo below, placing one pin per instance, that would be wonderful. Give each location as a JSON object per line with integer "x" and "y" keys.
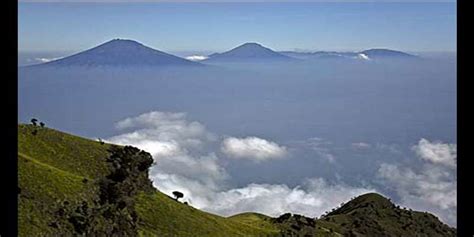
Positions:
{"x": 437, "y": 152}
{"x": 45, "y": 60}
{"x": 312, "y": 199}
{"x": 161, "y": 133}
{"x": 196, "y": 57}
{"x": 361, "y": 145}
{"x": 254, "y": 148}
{"x": 178, "y": 146}
{"x": 363, "y": 56}
{"x": 186, "y": 160}
{"x": 432, "y": 188}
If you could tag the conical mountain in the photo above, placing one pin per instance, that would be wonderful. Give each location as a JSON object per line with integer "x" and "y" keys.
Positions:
{"x": 248, "y": 52}
{"x": 121, "y": 53}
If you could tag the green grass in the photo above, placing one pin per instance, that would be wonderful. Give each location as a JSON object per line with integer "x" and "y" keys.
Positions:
{"x": 373, "y": 214}
{"x": 178, "y": 219}
{"x": 70, "y": 153}
{"x": 41, "y": 186}
{"x": 52, "y": 166}
{"x": 254, "y": 219}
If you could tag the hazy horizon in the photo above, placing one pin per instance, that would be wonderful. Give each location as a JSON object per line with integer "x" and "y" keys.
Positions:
{"x": 36, "y": 57}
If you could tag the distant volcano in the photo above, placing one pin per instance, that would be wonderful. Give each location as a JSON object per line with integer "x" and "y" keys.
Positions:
{"x": 362, "y": 55}
{"x": 121, "y": 53}
{"x": 386, "y": 53}
{"x": 248, "y": 52}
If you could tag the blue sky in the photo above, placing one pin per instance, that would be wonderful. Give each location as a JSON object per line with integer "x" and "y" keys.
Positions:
{"x": 220, "y": 26}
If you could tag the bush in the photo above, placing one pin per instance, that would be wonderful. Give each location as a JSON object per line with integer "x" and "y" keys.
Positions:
{"x": 178, "y": 195}
{"x": 113, "y": 213}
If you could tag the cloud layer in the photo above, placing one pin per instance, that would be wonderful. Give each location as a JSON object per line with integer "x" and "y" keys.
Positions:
{"x": 437, "y": 152}
{"x": 312, "y": 198}
{"x": 254, "y": 148}
{"x": 44, "y": 60}
{"x": 433, "y": 187}
{"x": 192, "y": 160}
{"x": 186, "y": 160}
{"x": 196, "y": 57}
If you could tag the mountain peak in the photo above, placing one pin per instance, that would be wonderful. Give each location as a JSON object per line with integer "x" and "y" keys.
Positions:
{"x": 368, "y": 200}
{"x": 122, "y": 44}
{"x": 375, "y": 214}
{"x": 250, "y": 51}
{"x": 121, "y": 52}
{"x": 251, "y": 44}
{"x": 123, "y": 41}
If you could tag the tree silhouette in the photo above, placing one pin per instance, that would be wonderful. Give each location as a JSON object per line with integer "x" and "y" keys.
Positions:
{"x": 178, "y": 195}
{"x": 33, "y": 121}
{"x": 42, "y": 124}
{"x": 101, "y": 142}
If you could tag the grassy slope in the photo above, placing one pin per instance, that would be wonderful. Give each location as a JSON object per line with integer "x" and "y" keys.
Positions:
{"x": 373, "y": 215}
{"x": 177, "y": 219}
{"x": 253, "y": 218}
{"x": 53, "y": 165}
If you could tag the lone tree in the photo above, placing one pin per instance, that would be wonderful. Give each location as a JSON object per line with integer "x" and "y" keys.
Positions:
{"x": 178, "y": 195}
{"x": 33, "y": 121}
{"x": 42, "y": 124}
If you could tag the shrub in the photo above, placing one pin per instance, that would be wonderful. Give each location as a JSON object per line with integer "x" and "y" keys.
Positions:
{"x": 177, "y": 195}
{"x": 113, "y": 213}
{"x": 34, "y": 121}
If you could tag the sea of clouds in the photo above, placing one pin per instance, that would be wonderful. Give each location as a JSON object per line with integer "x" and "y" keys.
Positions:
{"x": 193, "y": 160}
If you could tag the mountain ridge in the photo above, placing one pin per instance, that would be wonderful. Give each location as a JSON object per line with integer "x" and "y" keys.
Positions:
{"x": 369, "y": 54}
{"x": 130, "y": 53}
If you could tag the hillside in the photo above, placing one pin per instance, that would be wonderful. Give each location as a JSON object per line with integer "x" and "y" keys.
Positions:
{"x": 374, "y": 215}
{"x": 55, "y": 168}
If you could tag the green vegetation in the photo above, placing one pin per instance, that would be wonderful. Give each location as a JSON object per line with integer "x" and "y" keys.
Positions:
{"x": 113, "y": 212}
{"x": 70, "y": 186}
{"x": 69, "y": 153}
{"x": 55, "y": 167}
{"x": 178, "y": 219}
{"x": 373, "y": 215}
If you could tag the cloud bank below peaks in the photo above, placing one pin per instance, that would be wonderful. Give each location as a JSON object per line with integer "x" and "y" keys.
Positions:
{"x": 187, "y": 159}
{"x": 433, "y": 187}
